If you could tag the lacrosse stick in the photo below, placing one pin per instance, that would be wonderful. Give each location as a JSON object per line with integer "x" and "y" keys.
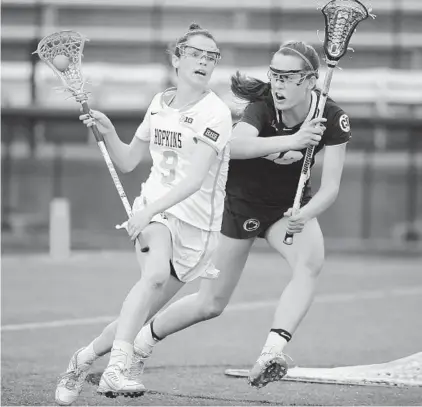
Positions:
{"x": 341, "y": 19}
{"x": 62, "y": 52}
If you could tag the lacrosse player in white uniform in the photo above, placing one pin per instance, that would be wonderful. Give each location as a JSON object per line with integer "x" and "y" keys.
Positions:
{"x": 186, "y": 131}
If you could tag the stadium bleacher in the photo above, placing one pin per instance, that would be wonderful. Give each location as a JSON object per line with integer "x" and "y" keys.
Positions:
{"x": 127, "y": 63}
{"x": 380, "y": 86}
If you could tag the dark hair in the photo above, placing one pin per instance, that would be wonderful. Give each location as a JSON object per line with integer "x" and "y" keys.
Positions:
{"x": 252, "y": 89}
{"x": 194, "y": 29}
{"x": 298, "y": 48}
{"x": 247, "y": 88}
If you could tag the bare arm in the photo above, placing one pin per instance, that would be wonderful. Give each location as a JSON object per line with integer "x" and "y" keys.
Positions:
{"x": 125, "y": 156}
{"x": 332, "y": 169}
{"x": 202, "y": 159}
{"x": 246, "y": 144}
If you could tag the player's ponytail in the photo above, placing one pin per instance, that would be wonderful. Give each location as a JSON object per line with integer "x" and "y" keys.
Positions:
{"x": 194, "y": 26}
{"x": 247, "y": 88}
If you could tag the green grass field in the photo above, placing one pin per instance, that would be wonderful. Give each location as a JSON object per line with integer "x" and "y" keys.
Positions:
{"x": 367, "y": 311}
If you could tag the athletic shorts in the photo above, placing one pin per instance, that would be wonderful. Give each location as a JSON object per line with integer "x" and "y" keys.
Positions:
{"x": 193, "y": 248}
{"x": 244, "y": 220}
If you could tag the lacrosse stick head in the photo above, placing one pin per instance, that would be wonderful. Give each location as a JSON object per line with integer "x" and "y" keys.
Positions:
{"x": 67, "y": 46}
{"x": 341, "y": 19}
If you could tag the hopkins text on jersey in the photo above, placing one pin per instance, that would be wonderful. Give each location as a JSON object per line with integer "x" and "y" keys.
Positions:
{"x": 168, "y": 138}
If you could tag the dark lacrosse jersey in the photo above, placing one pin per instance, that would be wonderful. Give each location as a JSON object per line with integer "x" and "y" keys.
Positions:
{"x": 264, "y": 186}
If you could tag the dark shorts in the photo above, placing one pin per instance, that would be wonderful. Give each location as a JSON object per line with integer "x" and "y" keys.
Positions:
{"x": 242, "y": 220}
{"x": 173, "y": 271}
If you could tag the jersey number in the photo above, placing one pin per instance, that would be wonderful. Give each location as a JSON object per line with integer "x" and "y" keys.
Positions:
{"x": 169, "y": 163}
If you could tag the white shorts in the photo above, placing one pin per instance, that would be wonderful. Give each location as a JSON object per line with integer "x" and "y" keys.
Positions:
{"x": 193, "y": 248}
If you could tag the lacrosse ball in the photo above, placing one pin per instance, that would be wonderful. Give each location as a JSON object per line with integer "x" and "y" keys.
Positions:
{"x": 61, "y": 62}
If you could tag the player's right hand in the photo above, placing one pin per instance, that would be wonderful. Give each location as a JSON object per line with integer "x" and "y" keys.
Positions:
{"x": 96, "y": 118}
{"x": 309, "y": 134}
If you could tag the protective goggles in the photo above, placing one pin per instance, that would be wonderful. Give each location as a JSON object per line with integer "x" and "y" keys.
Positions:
{"x": 197, "y": 53}
{"x": 289, "y": 77}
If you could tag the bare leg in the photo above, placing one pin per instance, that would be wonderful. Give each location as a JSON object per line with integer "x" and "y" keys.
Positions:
{"x": 155, "y": 274}
{"x": 70, "y": 386}
{"x": 213, "y": 295}
{"x": 103, "y": 343}
{"x": 305, "y": 258}
{"x": 155, "y": 265}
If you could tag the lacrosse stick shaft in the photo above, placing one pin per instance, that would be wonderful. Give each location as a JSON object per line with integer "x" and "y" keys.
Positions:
{"x": 101, "y": 144}
{"x": 304, "y": 176}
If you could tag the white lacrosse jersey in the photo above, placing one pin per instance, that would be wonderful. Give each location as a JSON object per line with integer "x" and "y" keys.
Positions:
{"x": 173, "y": 135}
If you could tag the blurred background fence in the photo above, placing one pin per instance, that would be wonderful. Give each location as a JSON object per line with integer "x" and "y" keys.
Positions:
{"x": 47, "y": 153}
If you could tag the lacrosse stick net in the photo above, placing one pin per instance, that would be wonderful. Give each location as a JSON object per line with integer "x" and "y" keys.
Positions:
{"x": 71, "y": 44}
{"x": 341, "y": 20}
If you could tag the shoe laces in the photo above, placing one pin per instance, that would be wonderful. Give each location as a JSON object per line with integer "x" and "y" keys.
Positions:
{"x": 70, "y": 379}
{"x": 137, "y": 366}
{"x": 270, "y": 351}
{"x": 117, "y": 368}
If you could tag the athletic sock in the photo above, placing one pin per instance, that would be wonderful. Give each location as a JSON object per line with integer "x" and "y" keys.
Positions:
{"x": 146, "y": 340}
{"x": 87, "y": 355}
{"x": 121, "y": 354}
{"x": 276, "y": 341}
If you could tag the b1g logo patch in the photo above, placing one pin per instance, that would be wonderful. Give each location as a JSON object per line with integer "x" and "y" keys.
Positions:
{"x": 344, "y": 123}
{"x": 186, "y": 119}
{"x": 211, "y": 134}
{"x": 251, "y": 224}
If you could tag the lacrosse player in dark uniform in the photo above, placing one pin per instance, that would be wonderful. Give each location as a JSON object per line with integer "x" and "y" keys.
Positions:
{"x": 260, "y": 191}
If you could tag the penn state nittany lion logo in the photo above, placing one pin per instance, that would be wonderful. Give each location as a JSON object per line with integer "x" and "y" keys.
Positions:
{"x": 289, "y": 157}
{"x": 344, "y": 123}
{"x": 251, "y": 224}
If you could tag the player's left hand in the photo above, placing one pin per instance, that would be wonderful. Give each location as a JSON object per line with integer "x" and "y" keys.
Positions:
{"x": 138, "y": 222}
{"x": 296, "y": 221}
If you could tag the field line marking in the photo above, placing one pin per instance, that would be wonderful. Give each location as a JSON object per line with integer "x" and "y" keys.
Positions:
{"x": 57, "y": 324}
{"x": 240, "y": 306}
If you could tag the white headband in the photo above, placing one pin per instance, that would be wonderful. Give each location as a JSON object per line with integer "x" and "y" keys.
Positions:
{"x": 301, "y": 55}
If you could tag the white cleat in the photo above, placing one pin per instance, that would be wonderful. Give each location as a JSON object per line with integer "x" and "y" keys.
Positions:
{"x": 70, "y": 383}
{"x": 116, "y": 382}
{"x": 137, "y": 366}
{"x": 269, "y": 367}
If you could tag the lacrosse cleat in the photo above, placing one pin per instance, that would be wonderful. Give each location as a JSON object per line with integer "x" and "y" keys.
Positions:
{"x": 115, "y": 381}
{"x": 269, "y": 367}
{"x": 70, "y": 383}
